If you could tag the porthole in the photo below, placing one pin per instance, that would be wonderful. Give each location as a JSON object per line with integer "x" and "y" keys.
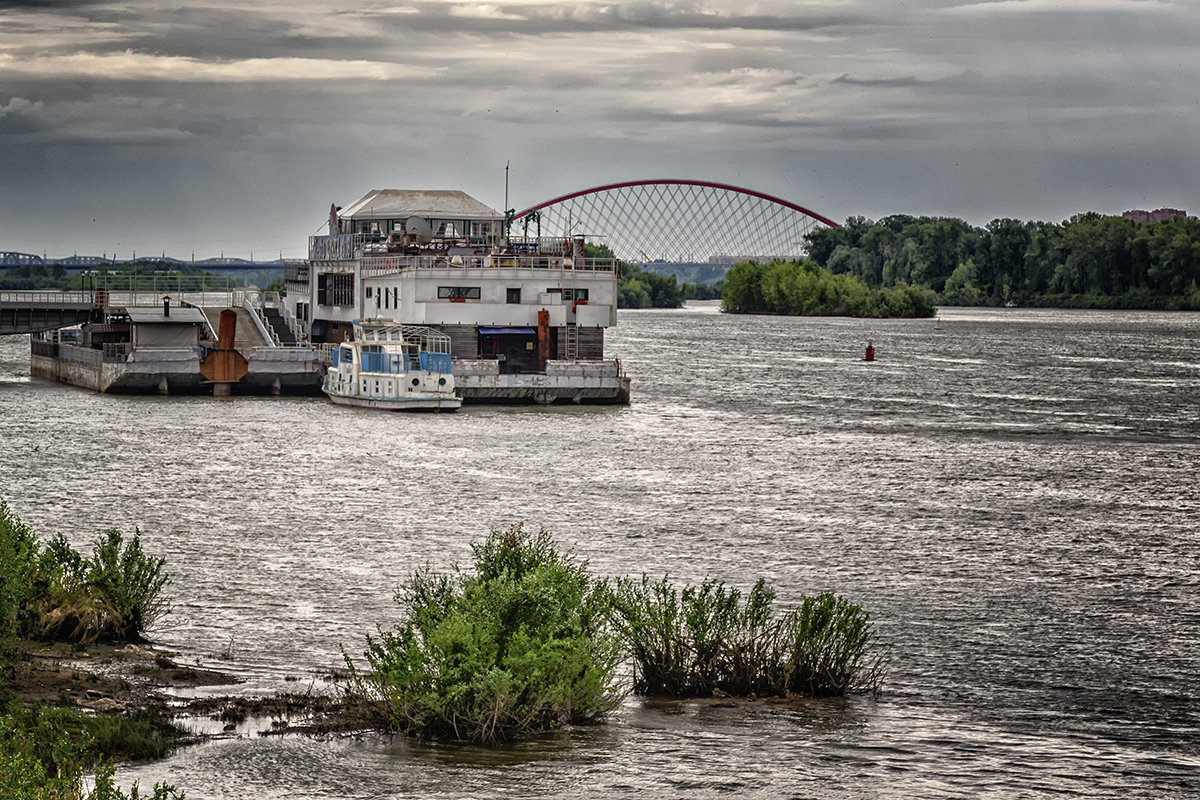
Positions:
{"x": 416, "y": 381}
{"x": 441, "y": 381}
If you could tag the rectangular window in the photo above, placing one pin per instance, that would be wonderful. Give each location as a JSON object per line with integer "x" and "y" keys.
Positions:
{"x": 335, "y": 289}
{"x": 458, "y": 294}
{"x": 368, "y": 291}
{"x": 569, "y": 295}
{"x": 513, "y": 295}
{"x": 342, "y": 291}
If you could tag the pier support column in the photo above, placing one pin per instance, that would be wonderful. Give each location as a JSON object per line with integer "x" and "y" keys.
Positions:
{"x": 162, "y": 387}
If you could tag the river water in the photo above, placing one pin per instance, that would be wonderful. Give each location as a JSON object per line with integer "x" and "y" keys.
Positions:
{"x": 1010, "y": 492}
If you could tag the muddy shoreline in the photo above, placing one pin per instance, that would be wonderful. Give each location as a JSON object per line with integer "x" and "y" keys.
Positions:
{"x": 141, "y": 681}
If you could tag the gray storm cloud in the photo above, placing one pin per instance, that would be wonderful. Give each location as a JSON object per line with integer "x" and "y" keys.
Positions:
{"x": 217, "y": 127}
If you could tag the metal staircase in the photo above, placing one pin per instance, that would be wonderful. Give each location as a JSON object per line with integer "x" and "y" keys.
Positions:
{"x": 274, "y": 318}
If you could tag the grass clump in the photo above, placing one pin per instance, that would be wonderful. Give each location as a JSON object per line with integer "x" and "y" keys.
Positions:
{"x": 704, "y": 640}
{"x": 520, "y": 645}
{"x": 53, "y": 593}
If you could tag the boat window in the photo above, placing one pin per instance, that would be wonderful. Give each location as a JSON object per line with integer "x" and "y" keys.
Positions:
{"x": 347, "y": 355}
{"x": 513, "y": 295}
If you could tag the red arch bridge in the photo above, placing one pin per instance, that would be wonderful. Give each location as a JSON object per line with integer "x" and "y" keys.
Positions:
{"x": 679, "y": 221}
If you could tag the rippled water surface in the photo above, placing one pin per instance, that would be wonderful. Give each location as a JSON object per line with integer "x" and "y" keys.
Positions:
{"x": 1012, "y": 493}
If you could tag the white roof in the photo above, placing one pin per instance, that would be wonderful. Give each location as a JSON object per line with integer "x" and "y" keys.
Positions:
{"x": 430, "y": 204}
{"x": 141, "y": 315}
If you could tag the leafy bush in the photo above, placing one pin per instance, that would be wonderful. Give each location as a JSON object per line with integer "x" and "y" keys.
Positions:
{"x": 520, "y": 646}
{"x": 130, "y": 583}
{"x": 18, "y": 558}
{"x": 55, "y": 593}
{"x": 704, "y": 640}
{"x": 43, "y": 755}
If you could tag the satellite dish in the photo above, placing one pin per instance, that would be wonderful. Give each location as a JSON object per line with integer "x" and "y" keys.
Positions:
{"x": 418, "y": 228}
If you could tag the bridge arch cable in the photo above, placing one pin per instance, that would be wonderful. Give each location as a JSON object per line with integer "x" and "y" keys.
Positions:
{"x": 679, "y": 221}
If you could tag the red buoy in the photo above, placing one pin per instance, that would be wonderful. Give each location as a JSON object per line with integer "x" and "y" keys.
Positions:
{"x": 870, "y": 356}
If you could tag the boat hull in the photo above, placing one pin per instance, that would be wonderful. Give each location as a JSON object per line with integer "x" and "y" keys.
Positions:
{"x": 413, "y": 403}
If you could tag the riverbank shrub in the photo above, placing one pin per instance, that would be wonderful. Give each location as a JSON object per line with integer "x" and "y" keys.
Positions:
{"x": 519, "y": 645}
{"x": 700, "y": 641}
{"x": 54, "y": 593}
{"x": 44, "y": 753}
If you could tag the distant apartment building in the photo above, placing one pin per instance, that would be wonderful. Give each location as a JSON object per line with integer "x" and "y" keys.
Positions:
{"x": 1157, "y": 215}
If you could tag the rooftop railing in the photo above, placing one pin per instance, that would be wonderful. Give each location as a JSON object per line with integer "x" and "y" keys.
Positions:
{"x": 547, "y": 252}
{"x": 375, "y": 266}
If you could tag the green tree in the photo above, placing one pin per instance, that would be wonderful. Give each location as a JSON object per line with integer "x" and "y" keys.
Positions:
{"x": 742, "y": 292}
{"x": 1178, "y": 265}
{"x": 962, "y": 286}
{"x": 1004, "y": 246}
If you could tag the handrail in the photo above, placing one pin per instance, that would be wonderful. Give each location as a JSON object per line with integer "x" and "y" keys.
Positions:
{"x": 48, "y": 298}
{"x": 118, "y": 298}
{"x": 264, "y": 328}
{"x": 212, "y": 334}
{"x": 548, "y": 252}
{"x": 375, "y": 266}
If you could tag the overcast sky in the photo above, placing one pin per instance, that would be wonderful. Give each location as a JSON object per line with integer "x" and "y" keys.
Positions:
{"x": 230, "y": 127}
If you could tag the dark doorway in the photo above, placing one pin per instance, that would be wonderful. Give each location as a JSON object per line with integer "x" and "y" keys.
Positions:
{"x": 514, "y": 348}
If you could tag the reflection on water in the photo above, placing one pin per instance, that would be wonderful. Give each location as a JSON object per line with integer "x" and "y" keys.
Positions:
{"x": 1010, "y": 492}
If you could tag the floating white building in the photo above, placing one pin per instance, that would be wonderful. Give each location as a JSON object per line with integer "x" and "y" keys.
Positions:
{"x": 525, "y": 315}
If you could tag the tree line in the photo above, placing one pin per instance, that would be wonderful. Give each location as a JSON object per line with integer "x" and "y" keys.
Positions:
{"x": 801, "y": 288}
{"x": 1090, "y": 260}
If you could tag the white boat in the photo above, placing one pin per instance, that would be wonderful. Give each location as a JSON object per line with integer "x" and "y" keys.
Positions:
{"x": 392, "y": 367}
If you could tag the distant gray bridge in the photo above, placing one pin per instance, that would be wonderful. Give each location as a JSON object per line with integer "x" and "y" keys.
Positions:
{"x": 77, "y": 263}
